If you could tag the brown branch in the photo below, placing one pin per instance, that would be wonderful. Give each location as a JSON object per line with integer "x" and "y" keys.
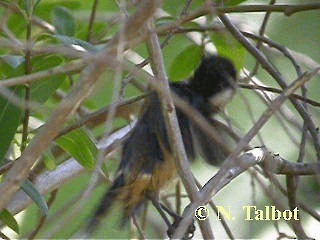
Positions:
{"x": 277, "y": 165}
{"x": 171, "y": 122}
{"x": 280, "y": 48}
{"x": 67, "y": 68}
{"x": 261, "y": 33}
{"x": 27, "y": 94}
{"x": 51, "y": 180}
{"x": 226, "y": 173}
{"x": 276, "y": 90}
{"x": 5, "y": 166}
{"x": 287, "y": 10}
{"x": 43, "y": 218}
{"x": 102, "y": 114}
{"x": 91, "y": 21}
{"x": 169, "y": 114}
{"x": 36, "y": 50}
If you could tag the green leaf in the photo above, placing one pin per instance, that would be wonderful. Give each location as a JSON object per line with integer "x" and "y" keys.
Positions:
{"x": 63, "y": 21}
{"x": 17, "y": 22}
{"x": 186, "y": 61}
{"x": 8, "y": 219}
{"x": 46, "y": 7}
{"x": 10, "y": 115}
{"x": 10, "y": 118}
{"x": 80, "y": 146}
{"x": 75, "y": 41}
{"x": 29, "y": 188}
{"x": 228, "y": 47}
{"x": 43, "y": 89}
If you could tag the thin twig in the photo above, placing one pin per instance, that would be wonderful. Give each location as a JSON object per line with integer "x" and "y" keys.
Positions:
{"x": 261, "y": 33}
{"x": 284, "y": 113}
{"x": 170, "y": 117}
{"x": 178, "y": 198}
{"x": 43, "y": 218}
{"x": 100, "y": 115}
{"x": 276, "y": 90}
{"x": 287, "y": 10}
{"x": 70, "y": 67}
{"x": 280, "y": 48}
{"x": 27, "y": 96}
{"x": 91, "y": 21}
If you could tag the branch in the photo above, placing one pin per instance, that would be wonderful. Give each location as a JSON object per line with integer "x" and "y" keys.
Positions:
{"x": 287, "y": 10}
{"x": 36, "y": 50}
{"x": 51, "y": 180}
{"x": 91, "y": 21}
{"x": 275, "y": 90}
{"x": 280, "y": 48}
{"x": 67, "y": 68}
{"x": 278, "y": 165}
{"x": 226, "y": 173}
{"x": 102, "y": 114}
{"x": 169, "y": 114}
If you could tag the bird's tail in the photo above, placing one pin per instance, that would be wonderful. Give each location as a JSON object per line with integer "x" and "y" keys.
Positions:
{"x": 104, "y": 206}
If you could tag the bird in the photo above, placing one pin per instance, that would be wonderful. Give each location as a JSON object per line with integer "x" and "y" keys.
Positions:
{"x": 147, "y": 163}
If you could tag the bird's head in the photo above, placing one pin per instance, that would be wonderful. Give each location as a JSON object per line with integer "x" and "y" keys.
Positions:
{"x": 215, "y": 79}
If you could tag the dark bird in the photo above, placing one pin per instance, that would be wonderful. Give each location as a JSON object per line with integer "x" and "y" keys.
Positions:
{"x": 147, "y": 164}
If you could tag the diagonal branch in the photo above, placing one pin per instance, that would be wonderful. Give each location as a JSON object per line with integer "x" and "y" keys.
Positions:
{"x": 169, "y": 114}
{"x": 51, "y": 180}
